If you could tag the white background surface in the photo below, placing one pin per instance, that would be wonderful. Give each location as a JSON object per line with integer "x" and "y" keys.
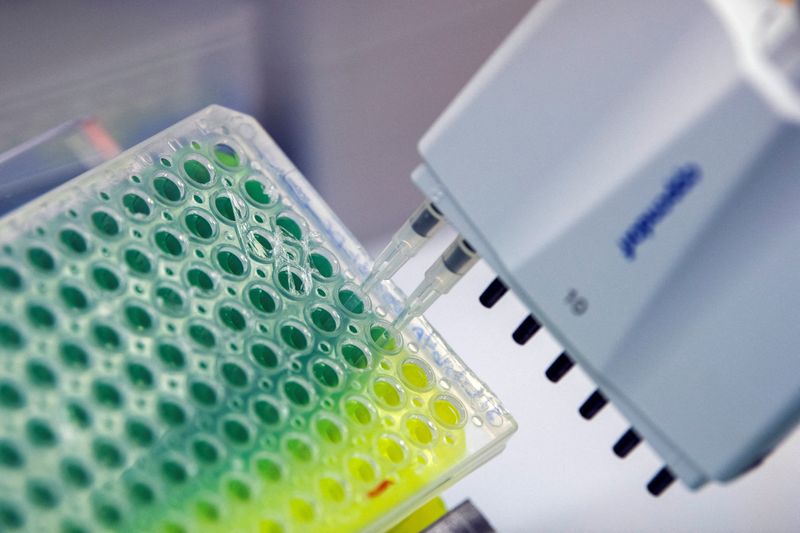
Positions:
{"x": 558, "y": 472}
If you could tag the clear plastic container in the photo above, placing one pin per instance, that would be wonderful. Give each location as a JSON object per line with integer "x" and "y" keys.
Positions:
{"x": 184, "y": 346}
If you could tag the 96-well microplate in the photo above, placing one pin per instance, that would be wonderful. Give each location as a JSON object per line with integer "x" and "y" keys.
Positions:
{"x": 184, "y": 347}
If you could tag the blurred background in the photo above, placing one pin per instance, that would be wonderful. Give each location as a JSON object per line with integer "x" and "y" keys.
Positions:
{"x": 347, "y": 88}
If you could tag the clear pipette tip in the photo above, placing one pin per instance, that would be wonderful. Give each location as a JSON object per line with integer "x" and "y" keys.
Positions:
{"x": 448, "y": 269}
{"x": 405, "y": 244}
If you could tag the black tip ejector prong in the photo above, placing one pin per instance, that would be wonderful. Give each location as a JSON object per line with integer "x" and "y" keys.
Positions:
{"x": 592, "y": 405}
{"x": 496, "y": 290}
{"x": 559, "y": 368}
{"x": 660, "y": 482}
{"x": 626, "y": 443}
{"x": 525, "y": 330}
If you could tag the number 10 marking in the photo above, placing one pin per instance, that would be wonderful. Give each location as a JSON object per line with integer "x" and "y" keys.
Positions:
{"x": 577, "y": 303}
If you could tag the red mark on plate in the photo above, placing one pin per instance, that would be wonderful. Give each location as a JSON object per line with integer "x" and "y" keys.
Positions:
{"x": 380, "y": 488}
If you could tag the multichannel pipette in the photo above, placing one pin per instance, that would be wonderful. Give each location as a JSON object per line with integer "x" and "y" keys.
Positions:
{"x": 654, "y": 148}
